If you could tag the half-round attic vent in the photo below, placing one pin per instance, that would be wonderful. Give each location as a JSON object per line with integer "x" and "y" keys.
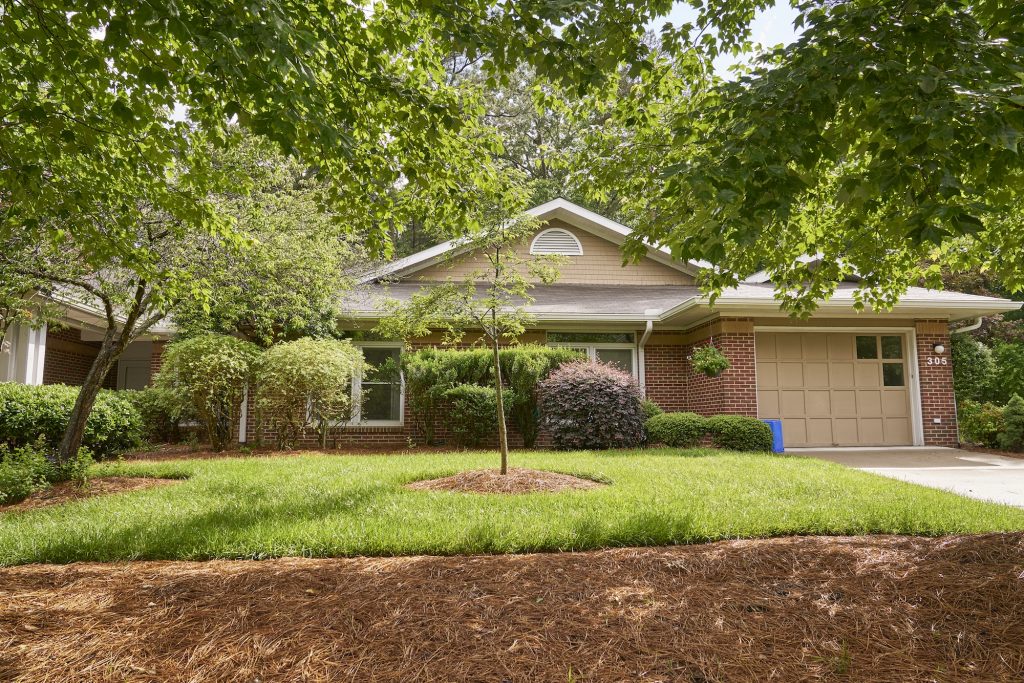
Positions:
{"x": 556, "y": 241}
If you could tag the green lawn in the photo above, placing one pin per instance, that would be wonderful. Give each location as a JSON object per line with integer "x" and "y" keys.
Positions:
{"x": 316, "y": 505}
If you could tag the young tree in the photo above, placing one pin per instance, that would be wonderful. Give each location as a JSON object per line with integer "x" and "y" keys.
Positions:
{"x": 491, "y": 300}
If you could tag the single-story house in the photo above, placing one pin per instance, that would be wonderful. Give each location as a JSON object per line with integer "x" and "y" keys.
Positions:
{"x": 840, "y": 378}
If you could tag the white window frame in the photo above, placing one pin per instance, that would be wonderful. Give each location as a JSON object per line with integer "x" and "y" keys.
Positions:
{"x": 357, "y": 389}
{"x": 533, "y": 244}
{"x": 591, "y": 350}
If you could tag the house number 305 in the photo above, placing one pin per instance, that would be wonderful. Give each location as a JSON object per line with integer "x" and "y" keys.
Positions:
{"x": 938, "y": 360}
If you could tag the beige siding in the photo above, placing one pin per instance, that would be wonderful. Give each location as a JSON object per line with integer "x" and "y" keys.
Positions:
{"x": 600, "y": 264}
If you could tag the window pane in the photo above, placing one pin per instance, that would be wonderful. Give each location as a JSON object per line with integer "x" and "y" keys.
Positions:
{"x": 892, "y": 374}
{"x": 381, "y": 402}
{"x": 867, "y": 347}
{"x": 620, "y": 358}
{"x": 378, "y": 357}
{"x": 892, "y": 347}
{"x": 592, "y": 337}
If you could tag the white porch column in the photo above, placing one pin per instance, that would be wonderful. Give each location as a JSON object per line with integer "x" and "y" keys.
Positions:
{"x": 24, "y": 355}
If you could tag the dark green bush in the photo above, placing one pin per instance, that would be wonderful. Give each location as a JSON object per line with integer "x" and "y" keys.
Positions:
{"x": 739, "y": 433}
{"x": 162, "y": 411}
{"x": 650, "y": 409}
{"x": 680, "y": 430}
{"x": 1007, "y": 377}
{"x": 1011, "y": 438}
{"x": 473, "y": 418}
{"x": 23, "y": 471}
{"x": 980, "y": 423}
{"x": 592, "y": 405}
{"x": 430, "y": 373}
{"x": 29, "y": 413}
{"x": 972, "y": 368}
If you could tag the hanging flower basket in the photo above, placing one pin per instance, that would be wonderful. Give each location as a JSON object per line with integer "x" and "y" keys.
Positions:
{"x": 709, "y": 361}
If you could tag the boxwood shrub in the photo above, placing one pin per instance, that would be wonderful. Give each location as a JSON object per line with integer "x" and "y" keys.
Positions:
{"x": 739, "y": 433}
{"x": 473, "y": 419}
{"x": 591, "y": 405}
{"x": 679, "y": 430}
{"x": 30, "y": 413}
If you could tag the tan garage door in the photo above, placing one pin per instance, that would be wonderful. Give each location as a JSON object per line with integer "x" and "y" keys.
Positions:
{"x": 835, "y": 389}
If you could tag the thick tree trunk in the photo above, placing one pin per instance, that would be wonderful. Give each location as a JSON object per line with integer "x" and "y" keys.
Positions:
{"x": 502, "y": 430}
{"x": 110, "y": 351}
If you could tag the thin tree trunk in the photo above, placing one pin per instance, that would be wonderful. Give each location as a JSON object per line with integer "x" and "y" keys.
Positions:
{"x": 502, "y": 431}
{"x": 109, "y": 352}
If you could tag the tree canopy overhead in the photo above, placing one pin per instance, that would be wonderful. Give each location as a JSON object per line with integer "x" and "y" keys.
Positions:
{"x": 887, "y": 136}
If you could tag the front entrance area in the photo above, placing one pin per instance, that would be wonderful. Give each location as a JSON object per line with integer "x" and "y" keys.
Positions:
{"x": 836, "y": 388}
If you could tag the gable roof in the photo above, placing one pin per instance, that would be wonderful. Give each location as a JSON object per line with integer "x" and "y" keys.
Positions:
{"x": 560, "y": 209}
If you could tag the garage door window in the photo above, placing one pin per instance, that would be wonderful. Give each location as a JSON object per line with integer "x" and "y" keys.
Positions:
{"x": 892, "y": 347}
{"x": 867, "y": 347}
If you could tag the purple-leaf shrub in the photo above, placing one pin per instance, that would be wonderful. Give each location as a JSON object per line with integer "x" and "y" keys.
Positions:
{"x": 590, "y": 405}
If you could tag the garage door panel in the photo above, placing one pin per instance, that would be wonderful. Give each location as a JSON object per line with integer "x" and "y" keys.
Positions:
{"x": 869, "y": 403}
{"x": 826, "y": 395}
{"x": 815, "y": 347}
{"x": 867, "y": 375}
{"x": 789, "y": 347}
{"x": 816, "y": 375}
{"x": 791, "y": 374}
{"x": 764, "y": 349}
{"x": 767, "y": 375}
{"x": 819, "y": 431}
{"x": 768, "y": 403}
{"x": 819, "y": 403}
{"x": 793, "y": 404}
{"x": 894, "y": 404}
{"x": 897, "y": 430}
{"x": 841, "y": 375}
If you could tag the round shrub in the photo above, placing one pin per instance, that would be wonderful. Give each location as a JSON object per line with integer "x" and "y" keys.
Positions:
{"x": 650, "y": 409}
{"x": 980, "y": 423}
{"x": 739, "y": 433}
{"x": 30, "y": 413}
{"x": 23, "y": 471}
{"x": 679, "y": 430}
{"x": 162, "y": 411}
{"x": 210, "y": 372}
{"x": 473, "y": 418}
{"x": 591, "y": 405}
{"x": 306, "y": 383}
{"x": 1011, "y": 437}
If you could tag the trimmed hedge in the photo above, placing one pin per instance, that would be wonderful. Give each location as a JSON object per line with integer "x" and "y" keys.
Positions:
{"x": 30, "y": 413}
{"x": 473, "y": 418}
{"x": 679, "y": 430}
{"x": 740, "y": 433}
{"x": 734, "y": 432}
{"x": 591, "y": 405}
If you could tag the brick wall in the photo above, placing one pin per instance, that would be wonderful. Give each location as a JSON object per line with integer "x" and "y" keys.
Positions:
{"x": 665, "y": 368}
{"x": 936, "y": 381}
{"x": 68, "y": 359}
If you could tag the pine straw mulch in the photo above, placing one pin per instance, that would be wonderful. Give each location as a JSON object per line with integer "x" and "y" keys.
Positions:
{"x": 880, "y": 608}
{"x": 67, "y": 491}
{"x": 191, "y": 452}
{"x": 518, "y": 480}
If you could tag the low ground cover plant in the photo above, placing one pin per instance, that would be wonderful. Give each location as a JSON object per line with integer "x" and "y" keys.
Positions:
{"x": 592, "y": 405}
{"x": 734, "y": 432}
{"x": 29, "y": 414}
{"x": 330, "y": 505}
{"x": 30, "y": 468}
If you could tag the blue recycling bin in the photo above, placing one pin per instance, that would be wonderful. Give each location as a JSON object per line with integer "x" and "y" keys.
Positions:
{"x": 776, "y": 427}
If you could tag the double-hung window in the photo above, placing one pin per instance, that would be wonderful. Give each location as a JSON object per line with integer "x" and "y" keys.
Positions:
{"x": 612, "y": 348}
{"x": 377, "y": 392}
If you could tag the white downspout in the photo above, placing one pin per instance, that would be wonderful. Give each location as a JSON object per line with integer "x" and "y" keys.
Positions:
{"x": 641, "y": 359}
{"x": 970, "y": 328}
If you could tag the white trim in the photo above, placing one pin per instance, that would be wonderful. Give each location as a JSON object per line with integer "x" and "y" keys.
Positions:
{"x": 243, "y": 416}
{"x": 641, "y": 357}
{"x": 357, "y": 383}
{"x": 909, "y": 335}
{"x": 591, "y": 348}
{"x": 561, "y": 232}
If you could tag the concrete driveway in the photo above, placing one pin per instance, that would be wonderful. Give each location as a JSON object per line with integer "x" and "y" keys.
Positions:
{"x": 978, "y": 475}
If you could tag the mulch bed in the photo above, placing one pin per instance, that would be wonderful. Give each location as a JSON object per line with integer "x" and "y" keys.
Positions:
{"x": 991, "y": 451}
{"x": 794, "y": 609}
{"x": 518, "y": 480}
{"x": 67, "y": 491}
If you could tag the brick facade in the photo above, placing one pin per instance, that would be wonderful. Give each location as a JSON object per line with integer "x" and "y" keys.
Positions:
{"x": 68, "y": 359}
{"x": 935, "y": 375}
